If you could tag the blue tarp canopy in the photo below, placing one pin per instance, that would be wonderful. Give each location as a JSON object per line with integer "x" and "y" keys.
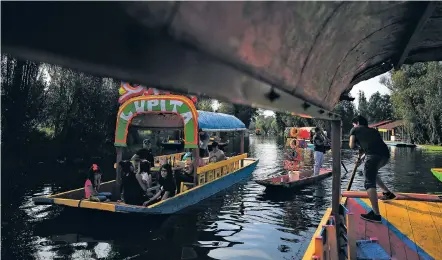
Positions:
{"x": 211, "y": 121}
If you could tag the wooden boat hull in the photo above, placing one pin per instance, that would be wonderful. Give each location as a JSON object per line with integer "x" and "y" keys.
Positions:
{"x": 437, "y": 172}
{"x": 410, "y": 227}
{"x": 285, "y": 182}
{"x": 170, "y": 206}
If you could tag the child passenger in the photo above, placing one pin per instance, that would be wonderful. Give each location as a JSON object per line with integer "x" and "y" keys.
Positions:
{"x": 93, "y": 183}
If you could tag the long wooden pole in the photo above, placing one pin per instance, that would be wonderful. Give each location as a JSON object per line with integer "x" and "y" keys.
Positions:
{"x": 336, "y": 188}
{"x": 358, "y": 161}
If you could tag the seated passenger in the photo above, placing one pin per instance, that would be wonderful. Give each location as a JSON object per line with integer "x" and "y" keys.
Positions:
{"x": 144, "y": 176}
{"x": 167, "y": 186}
{"x": 145, "y": 153}
{"x": 217, "y": 153}
{"x": 189, "y": 171}
{"x": 130, "y": 188}
{"x": 93, "y": 183}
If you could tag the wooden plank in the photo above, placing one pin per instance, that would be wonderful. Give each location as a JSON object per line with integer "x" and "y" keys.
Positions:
{"x": 400, "y": 227}
{"x": 356, "y": 209}
{"x": 424, "y": 230}
{"x": 351, "y": 236}
{"x": 436, "y": 212}
{"x": 377, "y": 230}
{"x": 311, "y": 247}
{"x": 397, "y": 247}
{"x": 336, "y": 167}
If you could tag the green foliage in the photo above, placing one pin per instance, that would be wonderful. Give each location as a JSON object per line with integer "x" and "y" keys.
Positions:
{"x": 264, "y": 123}
{"x": 204, "y": 103}
{"x": 363, "y": 108}
{"x": 75, "y": 111}
{"x": 416, "y": 98}
{"x": 379, "y": 108}
{"x": 347, "y": 111}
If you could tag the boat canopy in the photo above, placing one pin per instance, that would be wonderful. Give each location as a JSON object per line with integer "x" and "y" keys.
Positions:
{"x": 219, "y": 122}
{"x": 281, "y": 55}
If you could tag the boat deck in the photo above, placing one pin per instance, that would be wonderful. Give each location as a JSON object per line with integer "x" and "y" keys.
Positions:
{"x": 410, "y": 230}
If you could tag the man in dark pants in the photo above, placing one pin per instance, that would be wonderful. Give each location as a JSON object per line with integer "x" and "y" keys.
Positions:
{"x": 376, "y": 157}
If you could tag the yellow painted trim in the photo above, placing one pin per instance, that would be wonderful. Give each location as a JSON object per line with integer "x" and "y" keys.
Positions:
{"x": 194, "y": 188}
{"x": 97, "y": 205}
{"x": 311, "y": 247}
{"x": 220, "y": 164}
{"x": 67, "y": 202}
{"x": 69, "y": 191}
{"x": 85, "y": 204}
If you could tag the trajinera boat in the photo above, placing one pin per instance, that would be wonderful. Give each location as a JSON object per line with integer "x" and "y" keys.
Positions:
{"x": 141, "y": 109}
{"x": 307, "y": 68}
{"x": 294, "y": 158}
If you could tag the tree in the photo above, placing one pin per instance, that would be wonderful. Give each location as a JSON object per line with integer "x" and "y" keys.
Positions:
{"x": 264, "y": 123}
{"x": 416, "y": 94}
{"x": 347, "y": 111}
{"x": 363, "y": 109}
{"x": 379, "y": 108}
{"x": 204, "y": 103}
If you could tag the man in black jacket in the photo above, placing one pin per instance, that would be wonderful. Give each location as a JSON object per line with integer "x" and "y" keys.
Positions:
{"x": 376, "y": 156}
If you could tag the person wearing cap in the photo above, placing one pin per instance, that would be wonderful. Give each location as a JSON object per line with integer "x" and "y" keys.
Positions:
{"x": 216, "y": 153}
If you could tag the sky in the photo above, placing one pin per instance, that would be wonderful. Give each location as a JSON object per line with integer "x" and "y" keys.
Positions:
{"x": 369, "y": 87}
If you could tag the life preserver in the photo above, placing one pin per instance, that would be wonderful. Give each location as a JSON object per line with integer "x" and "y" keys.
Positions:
{"x": 293, "y": 132}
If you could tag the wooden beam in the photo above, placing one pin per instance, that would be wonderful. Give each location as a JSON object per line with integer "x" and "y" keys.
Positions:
{"x": 336, "y": 188}
{"x": 116, "y": 193}
{"x": 427, "y": 10}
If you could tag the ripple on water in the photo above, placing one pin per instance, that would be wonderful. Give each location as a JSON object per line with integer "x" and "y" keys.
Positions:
{"x": 244, "y": 222}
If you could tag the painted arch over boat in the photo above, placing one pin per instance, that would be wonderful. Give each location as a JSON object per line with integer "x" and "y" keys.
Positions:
{"x": 191, "y": 119}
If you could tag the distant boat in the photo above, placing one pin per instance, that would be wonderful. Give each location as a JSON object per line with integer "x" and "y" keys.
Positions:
{"x": 295, "y": 179}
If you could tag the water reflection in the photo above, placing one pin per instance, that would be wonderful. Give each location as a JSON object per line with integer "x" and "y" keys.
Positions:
{"x": 244, "y": 222}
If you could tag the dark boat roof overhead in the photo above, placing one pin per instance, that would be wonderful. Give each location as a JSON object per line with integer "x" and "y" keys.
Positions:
{"x": 301, "y": 57}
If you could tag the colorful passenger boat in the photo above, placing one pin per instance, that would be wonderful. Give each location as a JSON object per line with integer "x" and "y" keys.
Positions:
{"x": 294, "y": 157}
{"x": 141, "y": 110}
{"x": 437, "y": 172}
{"x": 411, "y": 229}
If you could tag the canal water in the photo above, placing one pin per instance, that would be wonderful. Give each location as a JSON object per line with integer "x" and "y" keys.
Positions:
{"x": 244, "y": 222}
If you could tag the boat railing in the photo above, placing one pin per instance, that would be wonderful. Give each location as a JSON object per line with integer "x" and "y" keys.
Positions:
{"x": 217, "y": 170}
{"x": 167, "y": 157}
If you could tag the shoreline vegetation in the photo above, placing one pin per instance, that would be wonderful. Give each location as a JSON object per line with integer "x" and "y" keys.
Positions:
{"x": 49, "y": 112}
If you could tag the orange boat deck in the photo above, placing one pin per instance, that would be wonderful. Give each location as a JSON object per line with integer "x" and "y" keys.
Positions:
{"x": 411, "y": 227}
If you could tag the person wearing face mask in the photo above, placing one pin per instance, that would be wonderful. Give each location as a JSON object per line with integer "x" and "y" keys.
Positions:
{"x": 377, "y": 156}
{"x": 167, "y": 185}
